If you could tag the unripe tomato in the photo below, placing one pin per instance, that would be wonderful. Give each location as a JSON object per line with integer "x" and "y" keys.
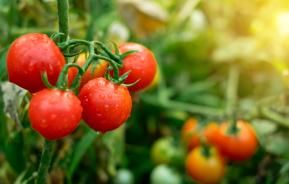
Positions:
{"x": 93, "y": 71}
{"x": 238, "y": 147}
{"x": 29, "y": 56}
{"x": 123, "y": 176}
{"x": 106, "y": 105}
{"x": 54, "y": 113}
{"x": 163, "y": 151}
{"x": 163, "y": 174}
{"x": 191, "y": 133}
{"x": 142, "y": 64}
{"x": 207, "y": 169}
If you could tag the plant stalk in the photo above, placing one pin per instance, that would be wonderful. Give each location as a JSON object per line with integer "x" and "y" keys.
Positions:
{"x": 63, "y": 7}
{"x": 45, "y": 162}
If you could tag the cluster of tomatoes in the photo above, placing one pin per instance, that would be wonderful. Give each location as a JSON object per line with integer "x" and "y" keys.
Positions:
{"x": 210, "y": 147}
{"x": 55, "y": 109}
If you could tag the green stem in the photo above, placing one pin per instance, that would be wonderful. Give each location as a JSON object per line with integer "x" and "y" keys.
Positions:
{"x": 62, "y": 79}
{"x": 172, "y": 104}
{"x": 63, "y": 6}
{"x": 232, "y": 96}
{"x": 205, "y": 149}
{"x": 45, "y": 162}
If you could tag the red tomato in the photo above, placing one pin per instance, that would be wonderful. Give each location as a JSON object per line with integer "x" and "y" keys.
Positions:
{"x": 106, "y": 105}
{"x": 238, "y": 147}
{"x": 54, "y": 113}
{"x": 29, "y": 56}
{"x": 92, "y": 71}
{"x": 142, "y": 64}
{"x": 205, "y": 169}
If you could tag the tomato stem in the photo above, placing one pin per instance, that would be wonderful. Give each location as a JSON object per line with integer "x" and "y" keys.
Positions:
{"x": 45, "y": 161}
{"x": 63, "y": 6}
{"x": 63, "y": 79}
{"x": 206, "y": 150}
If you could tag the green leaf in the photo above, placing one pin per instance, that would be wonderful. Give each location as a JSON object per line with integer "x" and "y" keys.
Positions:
{"x": 3, "y": 71}
{"x": 80, "y": 149}
{"x": 14, "y": 152}
{"x": 3, "y": 123}
{"x": 277, "y": 144}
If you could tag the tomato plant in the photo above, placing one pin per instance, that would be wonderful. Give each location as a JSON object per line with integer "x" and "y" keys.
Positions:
{"x": 237, "y": 146}
{"x": 205, "y": 166}
{"x": 29, "y": 56}
{"x": 106, "y": 105}
{"x": 141, "y": 64}
{"x": 54, "y": 113}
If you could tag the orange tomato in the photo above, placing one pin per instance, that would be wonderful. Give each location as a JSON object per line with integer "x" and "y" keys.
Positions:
{"x": 192, "y": 132}
{"x": 206, "y": 169}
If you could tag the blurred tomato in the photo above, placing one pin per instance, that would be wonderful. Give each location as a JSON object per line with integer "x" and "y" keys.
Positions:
{"x": 237, "y": 147}
{"x": 206, "y": 168}
{"x": 163, "y": 174}
{"x": 163, "y": 151}
{"x": 123, "y": 176}
{"x": 192, "y": 133}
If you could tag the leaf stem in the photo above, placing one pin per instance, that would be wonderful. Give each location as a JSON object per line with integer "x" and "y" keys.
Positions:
{"x": 232, "y": 95}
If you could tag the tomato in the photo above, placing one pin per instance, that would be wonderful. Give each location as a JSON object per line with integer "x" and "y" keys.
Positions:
{"x": 192, "y": 132}
{"x": 93, "y": 71}
{"x": 210, "y": 132}
{"x": 155, "y": 81}
{"x": 106, "y": 105}
{"x": 238, "y": 147}
{"x": 206, "y": 169}
{"x": 163, "y": 174}
{"x": 142, "y": 64}
{"x": 54, "y": 113}
{"x": 123, "y": 176}
{"x": 29, "y": 56}
{"x": 163, "y": 151}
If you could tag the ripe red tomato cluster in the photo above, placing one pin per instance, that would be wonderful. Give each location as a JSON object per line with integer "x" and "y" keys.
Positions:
{"x": 102, "y": 104}
{"x": 223, "y": 145}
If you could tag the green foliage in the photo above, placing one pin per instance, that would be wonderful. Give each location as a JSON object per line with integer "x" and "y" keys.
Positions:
{"x": 195, "y": 44}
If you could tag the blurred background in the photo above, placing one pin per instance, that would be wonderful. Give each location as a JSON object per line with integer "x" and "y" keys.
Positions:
{"x": 196, "y": 43}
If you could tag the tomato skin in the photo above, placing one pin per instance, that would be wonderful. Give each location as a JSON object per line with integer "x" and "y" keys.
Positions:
{"x": 237, "y": 147}
{"x": 29, "y": 56}
{"x": 54, "y": 113}
{"x": 106, "y": 105}
{"x": 92, "y": 71}
{"x": 142, "y": 64}
{"x": 206, "y": 170}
